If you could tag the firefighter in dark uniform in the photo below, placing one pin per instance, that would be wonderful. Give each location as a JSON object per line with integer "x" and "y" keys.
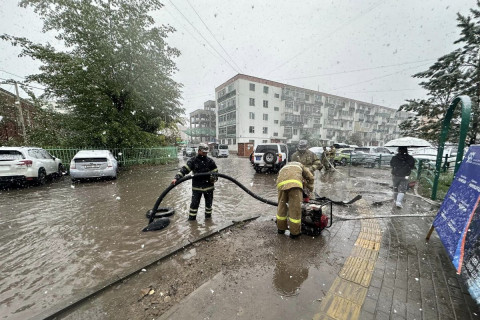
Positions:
{"x": 203, "y": 185}
{"x": 290, "y": 183}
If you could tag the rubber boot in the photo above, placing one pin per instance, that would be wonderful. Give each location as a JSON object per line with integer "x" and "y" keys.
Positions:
{"x": 399, "y": 200}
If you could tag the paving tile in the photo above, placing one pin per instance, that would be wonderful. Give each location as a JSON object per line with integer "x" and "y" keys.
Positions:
{"x": 380, "y": 315}
{"x": 364, "y": 315}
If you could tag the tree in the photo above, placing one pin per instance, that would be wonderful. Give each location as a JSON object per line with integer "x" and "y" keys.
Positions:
{"x": 454, "y": 74}
{"x": 355, "y": 139}
{"x": 114, "y": 73}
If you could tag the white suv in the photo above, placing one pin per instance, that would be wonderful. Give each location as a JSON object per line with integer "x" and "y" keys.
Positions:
{"x": 271, "y": 156}
{"x": 22, "y": 164}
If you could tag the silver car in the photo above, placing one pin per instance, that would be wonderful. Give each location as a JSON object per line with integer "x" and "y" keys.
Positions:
{"x": 88, "y": 164}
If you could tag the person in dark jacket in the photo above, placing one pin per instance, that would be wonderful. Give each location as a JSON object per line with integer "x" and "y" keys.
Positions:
{"x": 402, "y": 164}
{"x": 202, "y": 185}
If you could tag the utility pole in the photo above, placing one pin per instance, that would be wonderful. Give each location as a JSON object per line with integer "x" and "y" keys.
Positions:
{"x": 20, "y": 112}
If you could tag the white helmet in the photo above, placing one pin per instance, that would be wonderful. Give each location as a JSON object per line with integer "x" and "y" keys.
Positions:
{"x": 203, "y": 147}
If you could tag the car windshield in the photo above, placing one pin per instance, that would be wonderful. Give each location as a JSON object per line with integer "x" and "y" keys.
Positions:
{"x": 222, "y": 146}
{"x": 363, "y": 150}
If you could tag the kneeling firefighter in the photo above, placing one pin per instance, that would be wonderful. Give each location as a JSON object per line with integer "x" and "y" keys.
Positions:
{"x": 290, "y": 186}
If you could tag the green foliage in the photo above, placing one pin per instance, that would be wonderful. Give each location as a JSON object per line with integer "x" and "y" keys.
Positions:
{"x": 454, "y": 74}
{"x": 355, "y": 139}
{"x": 114, "y": 73}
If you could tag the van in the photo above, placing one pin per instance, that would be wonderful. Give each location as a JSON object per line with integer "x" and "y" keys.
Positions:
{"x": 220, "y": 150}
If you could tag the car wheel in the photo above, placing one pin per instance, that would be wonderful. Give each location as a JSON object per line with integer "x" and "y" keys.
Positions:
{"x": 60, "y": 171}
{"x": 257, "y": 169}
{"x": 343, "y": 161}
{"x": 42, "y": 177}
{"x": 269, "y": 157}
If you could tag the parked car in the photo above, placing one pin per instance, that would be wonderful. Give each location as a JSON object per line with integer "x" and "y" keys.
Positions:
{"x": 87, "y": 164}
{"x": 190, "y": 152}
{"x": 318, "y": 151}
{"x": 362, "y": 158}
{"x": 342, "y": 156}
{"x": 220, "y": 150}
{"x": 430, "y": 154}
{"x": 378, "y": 154}
{"x": 271, "y": 156}
{"x": 25, "y": 164}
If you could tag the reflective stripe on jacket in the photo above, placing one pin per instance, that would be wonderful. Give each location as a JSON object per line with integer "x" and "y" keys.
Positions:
{"x": 199, "y": 164}
{"x": 292, "y": 176}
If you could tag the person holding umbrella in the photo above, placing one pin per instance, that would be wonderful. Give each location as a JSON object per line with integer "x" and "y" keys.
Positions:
{"x": 402, "y": 164}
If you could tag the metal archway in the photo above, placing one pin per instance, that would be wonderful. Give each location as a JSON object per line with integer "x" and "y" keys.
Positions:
{"x": 466, "y": 114}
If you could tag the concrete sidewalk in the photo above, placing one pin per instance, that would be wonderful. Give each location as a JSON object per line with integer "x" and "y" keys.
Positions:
{"x": 373, "y": 263}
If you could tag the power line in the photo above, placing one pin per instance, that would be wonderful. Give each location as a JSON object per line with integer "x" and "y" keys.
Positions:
{"x": 356, "y": 70}
{"x": 213, "y": 35}
{"x": 204, "y": 37}
{"x": 13, "y": 74}
{"x": 10, "y": 81}
{"x": 393, "y": 90}
{"x": 388, "y": 75}
{"x": 191, "y": 34}
{"x": 329, "y": 35}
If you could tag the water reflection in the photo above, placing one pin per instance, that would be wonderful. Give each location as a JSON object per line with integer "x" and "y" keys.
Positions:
{"x": 292, "y": 264}
{"x": 60, "y": 239}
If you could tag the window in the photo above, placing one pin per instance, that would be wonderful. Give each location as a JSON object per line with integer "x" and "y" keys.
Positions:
{"x": 264, "y": 141}
{"x": 276, "y": 109}
{"x": 252, "y": 86}
{"x": 295, "y": 132}
{"x": 252, "y": 101}
{"x": 265, "y": 103}
{"x": 275, "y": 134}
{"x": 275, "y": 121}
{"x": 251, "y": 129}
{"x": 251, "y": 115}
{"x": 265, "y": 116}
{"x": 265, "y": 89}
{"x": 265, "y": 130}
{"x": 277, "y": 95}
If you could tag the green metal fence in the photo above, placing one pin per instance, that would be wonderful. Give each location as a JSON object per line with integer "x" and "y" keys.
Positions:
{"x": 125, "y": 157}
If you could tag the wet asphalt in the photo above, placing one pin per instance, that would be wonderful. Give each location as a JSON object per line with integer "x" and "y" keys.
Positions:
{"x": 60, "y": 238}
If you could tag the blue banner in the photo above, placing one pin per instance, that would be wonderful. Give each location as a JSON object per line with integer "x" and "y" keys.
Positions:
{"x": 458, "y": 221}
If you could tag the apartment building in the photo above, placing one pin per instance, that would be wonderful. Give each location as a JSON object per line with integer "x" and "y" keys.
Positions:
{"x": 255, "y": 110}
{"x": 203, "y": 124}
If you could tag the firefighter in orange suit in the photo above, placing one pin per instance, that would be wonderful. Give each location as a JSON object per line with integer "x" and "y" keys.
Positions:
{"x": 290, "y": 185}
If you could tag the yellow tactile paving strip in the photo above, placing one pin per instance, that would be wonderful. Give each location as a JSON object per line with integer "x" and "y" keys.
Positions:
{"x": 345, "y": 297}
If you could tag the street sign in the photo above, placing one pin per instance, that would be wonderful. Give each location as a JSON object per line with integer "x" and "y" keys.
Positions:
{"x": 458, "y": 221}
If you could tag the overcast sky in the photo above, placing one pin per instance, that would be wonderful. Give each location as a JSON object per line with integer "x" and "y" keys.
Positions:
{"x": 364, "y": 50}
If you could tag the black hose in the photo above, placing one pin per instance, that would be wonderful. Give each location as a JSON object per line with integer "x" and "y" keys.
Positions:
{"x": 170, "y": 187}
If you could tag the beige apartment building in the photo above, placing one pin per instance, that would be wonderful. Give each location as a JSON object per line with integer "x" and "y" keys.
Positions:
{"x": 255, "y": 110}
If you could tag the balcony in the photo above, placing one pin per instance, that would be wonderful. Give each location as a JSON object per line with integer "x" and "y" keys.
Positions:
{"x": 226, "y": 110}
{"x": 226, "y": 96}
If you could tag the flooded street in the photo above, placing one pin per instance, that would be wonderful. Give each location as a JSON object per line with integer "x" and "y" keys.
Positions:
{"x": 61, "y": 238}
